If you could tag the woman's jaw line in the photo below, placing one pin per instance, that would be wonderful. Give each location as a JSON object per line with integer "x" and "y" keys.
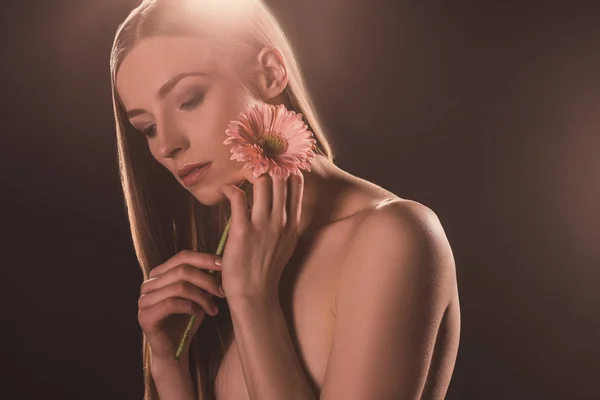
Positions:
{"x": 315, "y": 182}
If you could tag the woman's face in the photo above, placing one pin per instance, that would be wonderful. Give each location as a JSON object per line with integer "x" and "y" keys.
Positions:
{"x": 185, "y": 121}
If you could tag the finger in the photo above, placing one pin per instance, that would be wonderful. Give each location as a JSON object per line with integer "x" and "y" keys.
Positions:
{"x": 280, "y": 193}
{"x": 193, "y": 258}
{"x": 262, "y": 192}
{"x": 248, "y": 174}
{"x": 247, "y": 185}
{"x": 295, "y": 195}
{"x": 181, "y": 290}
{"x": 239, "y": 206}
{"x": 151, "y": 318}
{"x": 186, "y": 273}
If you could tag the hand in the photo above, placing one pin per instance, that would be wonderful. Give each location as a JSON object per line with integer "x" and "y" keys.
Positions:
{"x": 175, "y": 290}
{"x": 261, "y": 240}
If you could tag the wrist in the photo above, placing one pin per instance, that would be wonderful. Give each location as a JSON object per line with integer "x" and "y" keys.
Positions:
{"x": 172, "y": 379}
{"x": 260, "y": 302}
{"x": 161, "y": 366}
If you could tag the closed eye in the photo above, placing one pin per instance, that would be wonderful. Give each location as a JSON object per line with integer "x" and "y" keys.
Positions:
{"x": 192, "y": 103}
{"x": 188, "y": 105}
{"x": 148, "y": 131}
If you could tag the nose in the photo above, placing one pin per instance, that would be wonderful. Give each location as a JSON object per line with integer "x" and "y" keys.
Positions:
{"x": 169, "y": 142}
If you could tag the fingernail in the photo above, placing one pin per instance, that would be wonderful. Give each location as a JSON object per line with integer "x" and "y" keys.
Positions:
{"x": 218, "y": 261}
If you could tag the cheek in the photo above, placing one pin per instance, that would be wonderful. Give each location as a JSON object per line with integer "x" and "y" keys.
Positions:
{"x": 225, "y": 109}
{"x": 227, "y": 98}
{"x": 236, "y": 97}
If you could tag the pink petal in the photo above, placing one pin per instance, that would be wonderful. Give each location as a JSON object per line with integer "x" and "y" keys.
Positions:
{"x": 242, "y": 135}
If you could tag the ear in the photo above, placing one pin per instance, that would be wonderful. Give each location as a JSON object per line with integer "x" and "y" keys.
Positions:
{"x": 272, "y": 77}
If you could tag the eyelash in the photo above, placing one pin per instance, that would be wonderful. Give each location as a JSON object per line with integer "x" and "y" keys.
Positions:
{"x": 188, "y": 105}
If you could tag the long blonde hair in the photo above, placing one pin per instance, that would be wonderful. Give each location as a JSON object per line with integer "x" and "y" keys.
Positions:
{"x": 165, "y": 218}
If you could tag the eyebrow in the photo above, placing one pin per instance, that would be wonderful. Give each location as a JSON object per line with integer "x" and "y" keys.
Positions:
{"x": 165, "y": 89}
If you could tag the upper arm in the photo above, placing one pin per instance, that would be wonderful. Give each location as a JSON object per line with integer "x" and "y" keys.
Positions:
{"x": 394, "y": 289}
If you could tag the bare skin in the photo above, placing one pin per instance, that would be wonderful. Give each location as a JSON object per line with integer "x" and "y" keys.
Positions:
{"x": 307, "y": 295}
{"x": 339, "y": 213}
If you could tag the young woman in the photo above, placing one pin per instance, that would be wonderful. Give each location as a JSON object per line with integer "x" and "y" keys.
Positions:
{"x": 333, "y": 287}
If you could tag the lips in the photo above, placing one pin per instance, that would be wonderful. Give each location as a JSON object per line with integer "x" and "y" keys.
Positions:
{"x": 195, "y": 175}
{"x": 185, "y": 170}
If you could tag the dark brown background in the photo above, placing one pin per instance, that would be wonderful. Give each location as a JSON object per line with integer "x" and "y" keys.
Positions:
{"x": 487, "y": 112}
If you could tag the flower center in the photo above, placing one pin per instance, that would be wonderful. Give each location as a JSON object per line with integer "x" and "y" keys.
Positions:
{"x": 272, "y": 144}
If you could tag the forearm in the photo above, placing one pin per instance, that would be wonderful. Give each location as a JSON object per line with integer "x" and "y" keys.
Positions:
{"x": 269, "y": 361}
{"x": 173, "y": 380}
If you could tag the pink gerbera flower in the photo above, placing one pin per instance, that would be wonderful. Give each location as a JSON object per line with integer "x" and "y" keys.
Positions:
{"x": 271, "y": 139}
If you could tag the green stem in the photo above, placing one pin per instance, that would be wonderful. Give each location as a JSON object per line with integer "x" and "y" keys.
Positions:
{"x": 246, "y": 187}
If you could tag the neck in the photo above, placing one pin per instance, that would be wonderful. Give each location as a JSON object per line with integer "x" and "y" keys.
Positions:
{"x": 323, "y": 194}
{"x": 323, "y": 188}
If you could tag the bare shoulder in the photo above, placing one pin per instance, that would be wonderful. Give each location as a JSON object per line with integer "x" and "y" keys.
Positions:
{"x": 398, "y": 284}
{"x": 403, "y": 216}
{"x": 405, "y": 237}
{"x": 383, "y": 211}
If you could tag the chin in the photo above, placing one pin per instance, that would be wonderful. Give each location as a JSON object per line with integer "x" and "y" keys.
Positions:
{"x": 207, "y": 196}
{"x": 206, "y": 192}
